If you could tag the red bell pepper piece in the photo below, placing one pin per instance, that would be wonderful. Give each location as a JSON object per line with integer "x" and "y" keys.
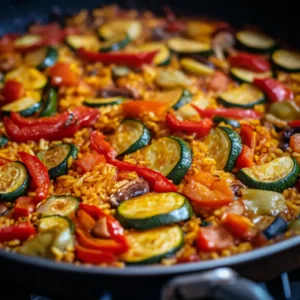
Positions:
{"x": 99, "y": 144}
{"x": 235, "y": 113}
{"x": 295, "y": 123}
{"x": 94, "y": 256}
{"x": 119, "y": 58}
{"x": 86, "y": 116}
{"x": 157, "y": 181}
{"x": 213, "y": 239}
{"x": 39, "y": 174}
{"x": 248, "y": 135}
{"x": 62, "y": 75}
{"x": 202, "y": 128}
{"x": 249, "y": 61}
{"x": 3, "y": 161}
{"x": 274, "y": 89}
{"x": 89, "y": 160}
{"x": 245, "y": 159}
{"x": 21, "y": 231}
{"x": 12, "y": 90}
{"x": 295, "y": 142}
{"x": 24, "y": 206}
{"x": 137, "y": 108}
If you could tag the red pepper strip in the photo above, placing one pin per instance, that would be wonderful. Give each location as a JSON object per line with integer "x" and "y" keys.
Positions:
{"x": 62, "y": 75}
{"x": 202, "y": 128}
{"x": 94, "y": 256}
{"x": 295, "y": 123}
{"x": 24, "y": 206}
{"x": 274, "y": 89}
{"x": 100, "y": 145}
{"x": 245, "y": 159}
{"x": 114, "y": 228}
{"x": 42, "y": 131}
{"x": 248, "y": 135}
{"x": 86, "y": 240}
{"x": 86, "y": 116}
{"x": 235, "y": 113}
{"x": 158, "y": 182}
{"x": 12, "y": 90}
{"x": 39, "y": 174}
{"x": 21, "y": 231}
{"x": 119, "y": 58}
{"x": 249, "y": 61}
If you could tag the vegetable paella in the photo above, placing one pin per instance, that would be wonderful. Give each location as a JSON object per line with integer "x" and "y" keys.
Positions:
{"x": 129, "y": 138}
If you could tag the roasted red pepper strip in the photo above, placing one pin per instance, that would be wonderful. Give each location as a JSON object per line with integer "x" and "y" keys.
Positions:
{"x": 158, "y": 182}
{"x": 62, "y": 75}
{"x": 94, "y": 256}
{"x": 249, "y": 61}
{"x": 235, "y": 113}
{"x": 114, "y": 228}
{"x": 12, "y": 90}
{"x": 21, "y": 231}
{"x": 24, "y": 206}
{"x": 202, "y": 128}
{"x": 100, "y": 145}
{"x": 248, "y": 135}
{"x": 274, "y": 89}
{"x": 39, "y": 174}
{"x": 119, "y": 58}
{"x": 245, "y": 158}
{"x": 295, "y": 123}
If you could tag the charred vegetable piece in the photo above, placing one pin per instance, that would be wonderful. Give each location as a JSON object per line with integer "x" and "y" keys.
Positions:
{"x": 276, "y": 228}
{"x": 285, "y": 140}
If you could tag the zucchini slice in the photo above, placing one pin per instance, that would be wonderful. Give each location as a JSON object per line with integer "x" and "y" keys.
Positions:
{"x": 243, "y": 75}
{"x": 255, "y": 42}
{"x": 55, "y": 223}
{"x": 130, "y": 136}
{"x": 196, "y": 67}
{"x": 64, "y": 205}
{"x": 176, "y": 98}
{"x": 88, "y": 42}
{"x": 109, "y": 30}
{"x": 153, "y": 210}
{"x": 170, "y": 79}
{"x": 276, "y": 175}
{"x": 162, "y": 58}
{"x": 120, "y": 71}
{"x": 3, "y": 140}
{"x": 151, "y": 246}
{"x": 56, "y": 158}
{"x": 244, "y": 96}
{"x": 285, "y": 60}
{"x": 50, "y": 102}
{"x": 26, "y": 106}
{"x": 14, "y": 181}
{"x": 42, "y": 58}
{"x": 99, "y": 102}
{"x": 118, "y": 42}
{"x": 31, "y": 78}
{"x": 224, "y": 145}
{"x": 183, "y": 46}
{"x": 28, "y": 40}
{"x": 231, "y": 122}
{"x": 171, "y": 156}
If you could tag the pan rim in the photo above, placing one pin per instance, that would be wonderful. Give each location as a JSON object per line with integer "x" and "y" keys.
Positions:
{"x": 145, "y": 270}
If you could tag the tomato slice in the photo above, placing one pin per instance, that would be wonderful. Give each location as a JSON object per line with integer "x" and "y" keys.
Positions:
{"x": 12, "y": 90}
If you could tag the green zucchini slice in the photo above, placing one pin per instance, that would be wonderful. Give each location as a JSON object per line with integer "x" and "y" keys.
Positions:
{"x": 285, "y": 60}
{"x": 162, "y": 58}
{"x": 151, "y": 246}
{"x": 171, "y": 156}
{"x": 56, "y": 158}
{"x": 87, "y": 42}
{"x": 153, "y": 210}
{"x": 28, "y": 40}
{"x": 196, "y": 67}
{"x": 224, "y": 145}
{"x": 231, "y": 122}
{"x": 64, "y": 205}
{"x": 26, "y": 106}
{"x": 175, "y": 98}
{"x": 183, "y": 46}
{"x": 3, "y": 140}
{"x": 55, "y": 223}
{"x": 276, "y": 175}
{"x": 244, "y": 96}
{"x": 118, "y": 42}
{"x": 14, "y": 181}
{"x": 109, "y": 30}
{"x": 50, "y": 102}
{"x": 99, "y": 102}
{"x": 42, "y": 58}
{"x": 255, "y": 42}
{"x": 243, "y": 75}
{"x": 170, "y": 79}
{"x": 130, "y": 136}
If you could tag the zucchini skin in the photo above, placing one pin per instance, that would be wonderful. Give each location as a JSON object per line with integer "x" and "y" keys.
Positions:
{"x": 240, "y": 80}
{"x": 3, "y": 140}
{"x": 21, "y": 191}
{"x": 276, "y": 186}
{"x": 185, "y": 98}
{"x": 226, "y": 103}
{"x": 280, "y": 67}
{"x": 175, "y": 216}
{"x": 50, "y": 59}
{"x": 50, "y": 106}
{"x": 117, "y": 101}
{"x": 184, "y": 163}
{"x": 231, "y": 122}
{"x": 243, "y": 47}
{"x": 117, "y": 45}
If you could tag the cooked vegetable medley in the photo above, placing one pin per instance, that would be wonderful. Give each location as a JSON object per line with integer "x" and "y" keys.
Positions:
{"x": 128, "y": 138}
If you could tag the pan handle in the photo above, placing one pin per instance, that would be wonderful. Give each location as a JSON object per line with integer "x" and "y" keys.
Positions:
{"x": 222, "y": 284}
